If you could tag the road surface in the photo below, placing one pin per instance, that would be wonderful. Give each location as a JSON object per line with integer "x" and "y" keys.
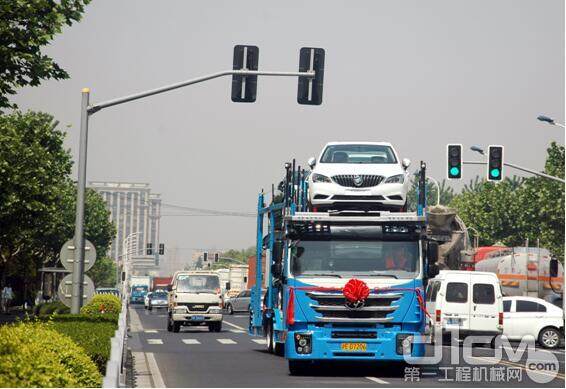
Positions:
{"x": 231, "y": 358}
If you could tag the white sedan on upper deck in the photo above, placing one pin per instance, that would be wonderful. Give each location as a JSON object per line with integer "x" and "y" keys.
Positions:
{"x": 358, "y": 175}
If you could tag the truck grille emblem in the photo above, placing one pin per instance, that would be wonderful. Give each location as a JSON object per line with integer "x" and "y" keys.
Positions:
{"x": 355, "y": 304}
{"x": 358, "y": 180}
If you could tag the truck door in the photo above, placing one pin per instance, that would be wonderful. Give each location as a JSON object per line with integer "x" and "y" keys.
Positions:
{"x": 485, "y": 312}
{"x": 456, "y": 307}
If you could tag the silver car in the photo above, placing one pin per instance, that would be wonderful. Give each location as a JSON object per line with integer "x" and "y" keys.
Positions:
{"x": 241, "y": 303}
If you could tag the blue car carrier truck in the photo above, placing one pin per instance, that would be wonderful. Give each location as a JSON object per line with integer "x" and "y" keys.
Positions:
{"x": 341, "y": 285}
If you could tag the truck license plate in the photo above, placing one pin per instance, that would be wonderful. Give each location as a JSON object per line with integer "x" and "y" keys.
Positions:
{"x": 198, "y": 318}
{"x": 453, "y": 321}
{"x": 353, "y": 346}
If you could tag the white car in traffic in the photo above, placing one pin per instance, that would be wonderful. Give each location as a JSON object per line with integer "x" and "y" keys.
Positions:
{"x": 358, "y": 175}
{"x": 534, "y": 317}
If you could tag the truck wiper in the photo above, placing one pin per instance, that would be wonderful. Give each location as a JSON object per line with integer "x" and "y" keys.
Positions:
{"x": 376, "y": 275}
{"x": 321, "y": 275}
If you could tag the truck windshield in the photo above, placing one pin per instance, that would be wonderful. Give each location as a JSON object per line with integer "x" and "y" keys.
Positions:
{"x": 358, "y": 154}
{"x": 197, "y": 284}
{"x": 399, "y": 259}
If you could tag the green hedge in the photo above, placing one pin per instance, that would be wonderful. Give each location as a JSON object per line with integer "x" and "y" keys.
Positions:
{"x": 34, "y": 355}
{"x": 103, "y": 317}
{"x": 49, "y": 308}
{"x": 102, "y": 303}
{"x": 93, "y": 336}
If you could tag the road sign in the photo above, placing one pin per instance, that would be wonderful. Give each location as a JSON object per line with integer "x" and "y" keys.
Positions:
{"x": 244, "y": 88}
{"x": 495, "y": 163}
{"x": 454, "y": 155}
{"x": 67, "y": 255}
{"x": 310, "y": 89}
{"x": 65, "y": 289}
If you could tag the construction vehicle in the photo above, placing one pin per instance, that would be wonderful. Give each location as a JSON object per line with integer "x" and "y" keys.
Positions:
{"x": 343, "y": 285}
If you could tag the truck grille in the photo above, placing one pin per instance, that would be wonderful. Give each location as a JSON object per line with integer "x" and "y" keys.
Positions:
{"x": 331, "y": 307}
{"x": 367, "y": 180}
{"x": 198, "y": 307}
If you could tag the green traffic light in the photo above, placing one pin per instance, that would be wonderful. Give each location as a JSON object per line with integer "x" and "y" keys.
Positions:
{"x": 454, "y": 171}
{"x": 495, "y": 173}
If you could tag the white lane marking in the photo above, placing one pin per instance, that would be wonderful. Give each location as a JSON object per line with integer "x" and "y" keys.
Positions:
{"x": 378, "y": 380}
{"x": 237, "y": 331}
{"x": 191, "y": 341}
{"x": 538, "y": 349}
{"x": 259, "y": 341}
{"x": 234, "y": 325}
{"x": 155, "y": 341}
{"x": 150, "y": 331}
{"x": 226, "y": 341}
{"x": 155, "y": 373}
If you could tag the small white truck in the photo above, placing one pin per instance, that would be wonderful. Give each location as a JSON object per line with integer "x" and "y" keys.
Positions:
{"x": 195, "y": 298}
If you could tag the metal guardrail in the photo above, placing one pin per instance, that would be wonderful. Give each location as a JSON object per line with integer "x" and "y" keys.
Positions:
{"x": 115, "y": 374}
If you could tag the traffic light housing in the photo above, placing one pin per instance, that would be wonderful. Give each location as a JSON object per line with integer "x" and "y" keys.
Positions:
{"x": 161, "y": 248}
{"x": 309, "y": 91}
{"x": 244, "y": 88}
{"x": 205, "y": 256}
{"x": 149, "y": 249}
{"x": 495, "y": 163}
{"x": 216, "y": 257}
{"x": 454, "y": 155}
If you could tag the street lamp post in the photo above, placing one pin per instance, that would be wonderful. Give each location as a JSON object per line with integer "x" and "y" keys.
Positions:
{"x": 437, "y": 189}
{"x": 549, "y": 120}
{"x": 86, "y": 111}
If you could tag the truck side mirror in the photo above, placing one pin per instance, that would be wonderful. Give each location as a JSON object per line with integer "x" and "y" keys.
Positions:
{"x": 432, "y": 252}
{"x": 553, "y": 268}
{"x": 312, "y": 162}
{"x": 228, "y": 286}
{"x": 169, "y": 288}
{"x": 432, "y": 270}
{"x": 406, "y": 162}
{"x": 276, "y": 270}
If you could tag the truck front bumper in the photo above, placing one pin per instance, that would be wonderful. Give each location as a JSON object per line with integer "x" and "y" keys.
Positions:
{"x": 325, "y": 345}
{"x": 197, "y": 317}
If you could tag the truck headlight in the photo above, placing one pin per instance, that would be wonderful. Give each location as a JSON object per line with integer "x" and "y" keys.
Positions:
{"x": 215, "y": 310}
{"x": 180, "y": 309}
{"x": 320, "y": 178}
{"x": 303, "y": 343}
{"x": 398, "y": 179}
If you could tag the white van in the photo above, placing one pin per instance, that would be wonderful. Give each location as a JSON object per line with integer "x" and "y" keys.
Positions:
{"x": 468, "y": 301}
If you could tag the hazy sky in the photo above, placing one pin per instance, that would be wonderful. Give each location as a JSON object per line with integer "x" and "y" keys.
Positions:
{"x": 419, "y": 74}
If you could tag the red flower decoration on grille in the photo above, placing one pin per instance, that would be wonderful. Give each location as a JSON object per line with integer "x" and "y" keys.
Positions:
{"x": 355, "y": 290}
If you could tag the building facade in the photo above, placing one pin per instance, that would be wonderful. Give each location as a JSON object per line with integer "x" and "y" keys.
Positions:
{"x": 136, "y": 212}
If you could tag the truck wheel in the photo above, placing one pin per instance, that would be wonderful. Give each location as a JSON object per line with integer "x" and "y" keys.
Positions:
{"x": 278, "y": 348}
{"x": 297, "y": 367}
{"x": 549, "y": 337}
{"x": 176, "y": 326}
{"x": 218, "y": 326}
{"x": 269, "y": 337}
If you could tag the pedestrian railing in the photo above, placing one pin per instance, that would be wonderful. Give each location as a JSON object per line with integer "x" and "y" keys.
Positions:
{"x": 115, "y": 374}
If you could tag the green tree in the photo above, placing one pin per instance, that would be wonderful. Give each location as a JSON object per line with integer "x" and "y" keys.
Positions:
{"x": 34, "y": 169}
{"x": 103, "y": 273}
{"x": 26, "y": 26}
{"x": 493, "y": 210}
{"x": 542, "y": 201}
{"x": 446, "y": 193}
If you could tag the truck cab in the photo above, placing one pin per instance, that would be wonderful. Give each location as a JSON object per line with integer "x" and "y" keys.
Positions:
{"x": 195, "y": 298}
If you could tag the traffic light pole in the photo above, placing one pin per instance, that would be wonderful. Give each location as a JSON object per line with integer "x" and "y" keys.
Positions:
{"x": 88, "y": 110}
{"x": 524, "y": 169}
